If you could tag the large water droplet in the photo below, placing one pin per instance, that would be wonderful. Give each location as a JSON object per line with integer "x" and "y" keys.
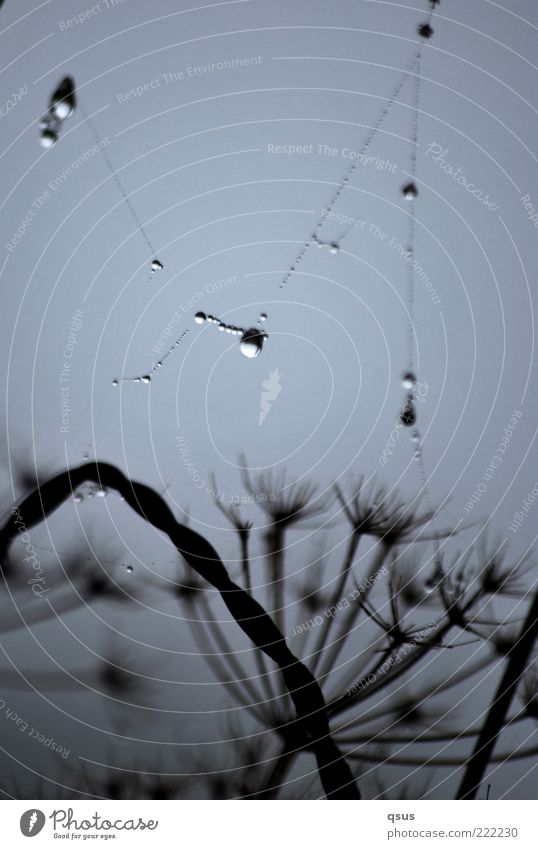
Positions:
{"x": 145, "y": 378}
{"x": 263, "y": 316}
{"x": 115, "y": 382}
{"x": 251, "y": 342}
{"x": 48, "y": 138}
{"x": 129, "y": 569}
{"x": 156, "y": 265}
{"x": 200, "y": 317}
{"x": 408, "y": 416}
{"x": 62, "y": 101}
{"x": 408, "y": 380}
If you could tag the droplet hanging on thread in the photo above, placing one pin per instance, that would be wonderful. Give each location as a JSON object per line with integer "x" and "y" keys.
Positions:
{"x": 425, "y": 31}
{"x": 408, "y": 415}
{"x": 408, "y": 380}
{"x": 410, "y": 191}
{"x": 155, "y": 264}
{"x": 146, "y": 378}
{"x": 252, "y": 340}
{"x": 62, "y": 104}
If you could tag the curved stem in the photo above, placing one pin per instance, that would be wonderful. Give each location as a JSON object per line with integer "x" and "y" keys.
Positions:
{"x": 305, "y": 692}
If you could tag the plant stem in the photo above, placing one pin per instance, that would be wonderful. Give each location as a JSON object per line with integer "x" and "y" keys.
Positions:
{"x": 335, "y": 598}
{"x": 336, "y": 776}
{"x": 495, "y": 720}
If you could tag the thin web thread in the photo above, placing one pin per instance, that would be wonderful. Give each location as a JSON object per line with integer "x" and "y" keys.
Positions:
{"x": 117, "y": 180}
{"x": 412, "y": 227}
{"x": 417, "y": 436}
{"x": 350, "y": 170}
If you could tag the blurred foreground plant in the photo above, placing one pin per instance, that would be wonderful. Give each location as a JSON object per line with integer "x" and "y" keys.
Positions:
{"x": 378, "y": 633}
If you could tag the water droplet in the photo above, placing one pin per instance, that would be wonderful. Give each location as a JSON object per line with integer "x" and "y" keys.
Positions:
{"x": 156, "y": 265}
{"x": 200, "y": 317}
{"x": 228, "y": 329}
{"x": 410, "y": 191}
{"x": 425, "y": 31}
{"x": 115, "y": 382}
{"x": 78, "y": 498}
{"x": 129, "y": 569}
{"x": 334, "y": 247}
{"x": 222, "y": 326}
{"x": 408, "y": 380}
{"x": 251, "y": 342}
{"x": 408, "y": 416}
{"x": 62, "y": 101}
{"x": 61, "y": 110}
{"x": 263, "y": 316}
{"x": 159, "y": 364}
{"x": 415, "y": 437}
{"x": 101, "y": 492}
{"x": 146, "y": 378}
{"x": 48, "y": 138}
{"x": 85, "y": 456}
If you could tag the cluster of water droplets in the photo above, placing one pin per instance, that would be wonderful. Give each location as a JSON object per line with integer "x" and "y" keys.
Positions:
{"x": 87, "y": 491}
{"x": 332, "y": 247}
{"x": 252, "y": 339}
{"x": 146, "y": 378}
{"x": 62, "y": 104}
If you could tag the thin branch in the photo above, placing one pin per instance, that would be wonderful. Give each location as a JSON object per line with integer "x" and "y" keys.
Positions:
{"x": 495, "y": 720}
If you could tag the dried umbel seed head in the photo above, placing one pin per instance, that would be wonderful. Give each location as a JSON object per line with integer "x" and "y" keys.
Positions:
{"x": 371, "y": 510}
{"x": 283, "y": 502}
